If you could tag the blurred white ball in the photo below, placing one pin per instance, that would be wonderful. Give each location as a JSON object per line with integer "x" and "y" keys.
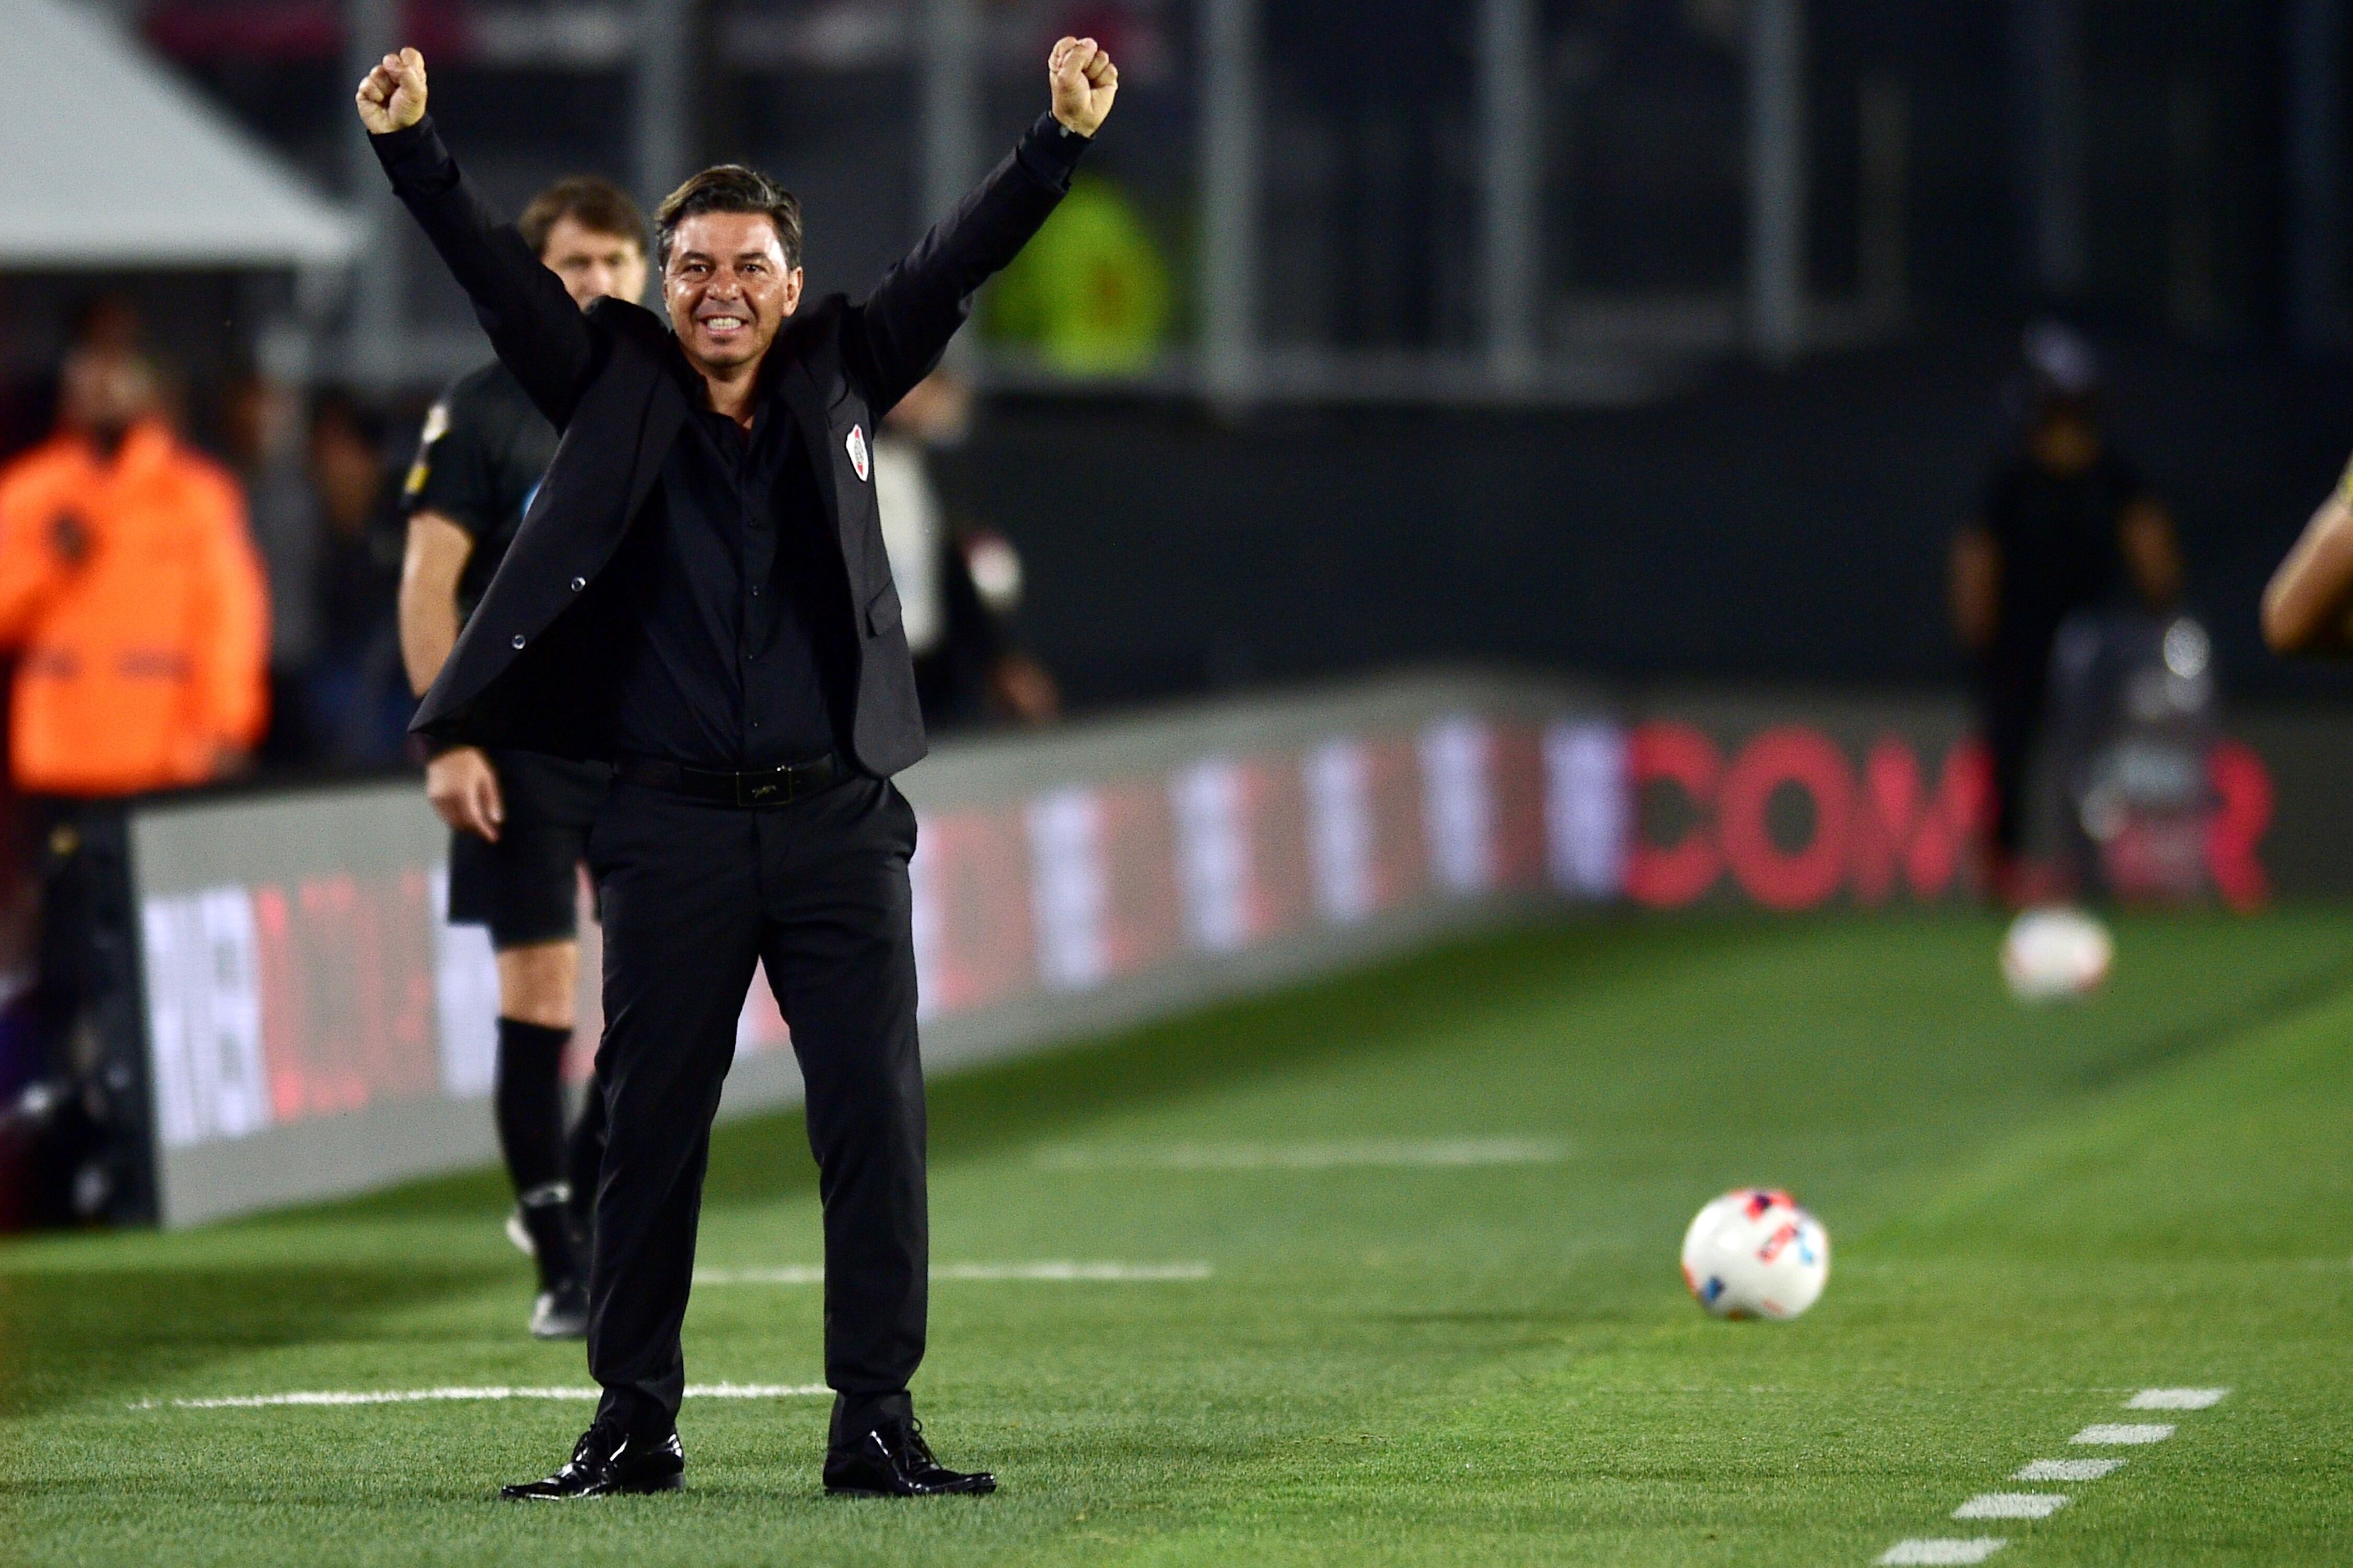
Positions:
{"x": 1754, "y": 1253}
{"x": 2054, "y": 954}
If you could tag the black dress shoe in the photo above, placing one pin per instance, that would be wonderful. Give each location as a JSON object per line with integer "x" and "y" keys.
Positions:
{"x": 896, "y": 1462}
{"x": 604, "y": 1462}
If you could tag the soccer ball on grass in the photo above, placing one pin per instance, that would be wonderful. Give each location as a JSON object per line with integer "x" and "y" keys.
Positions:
{"x": 2055, "y": 954}
{"x": 1754, "y": 1253}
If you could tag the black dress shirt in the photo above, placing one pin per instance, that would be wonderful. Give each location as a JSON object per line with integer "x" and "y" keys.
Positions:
{"x": 742, "y": 659}
{"x": 735, "y": 585}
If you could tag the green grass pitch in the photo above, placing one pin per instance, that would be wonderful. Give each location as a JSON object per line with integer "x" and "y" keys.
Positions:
{"x": 2034, "y": 1213}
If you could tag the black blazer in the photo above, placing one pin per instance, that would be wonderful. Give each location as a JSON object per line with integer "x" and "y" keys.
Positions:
{"x": 531, "y": 669}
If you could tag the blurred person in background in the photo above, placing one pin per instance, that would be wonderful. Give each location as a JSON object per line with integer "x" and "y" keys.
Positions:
{"x": 131, "y": 593}
{"x": 958, "y": 587}
{"x": 108, "y": 323}
{"x": 131, "y": 599}
{"x": 2067, "y": 525}
{"x": 1092, "y": 295}
{"x": 519, "y": 821}
{"x": 358, "y": 700}
{"x": 267, "y": 426}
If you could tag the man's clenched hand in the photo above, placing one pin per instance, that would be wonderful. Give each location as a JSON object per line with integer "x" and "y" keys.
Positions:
{"x": 391, "y": 96}
{"x": 1085, "y": 81}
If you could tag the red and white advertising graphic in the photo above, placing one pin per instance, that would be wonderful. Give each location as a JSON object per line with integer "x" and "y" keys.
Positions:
{"x": 1458, "y": 803}
{"x": 1213, "y": 863}
{"x": 285, "y": 997}
{"x": 1069, "y": 888}
{"x": 1103, "y": 883}
{"x": 1589, "y": 814}
{"x": 466, "y": 999}
{"x": 204, "y": 997}
{"x": 1241, "y": 859}
{"x": 1790, "y": 818}
{"x": 976, "y": 935}
{"x": 272, "y": 1004}
{"x": 1340, "y": 831}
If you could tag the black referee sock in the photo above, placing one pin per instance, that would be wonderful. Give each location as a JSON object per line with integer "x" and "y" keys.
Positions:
{"x": 529, "y": 1102}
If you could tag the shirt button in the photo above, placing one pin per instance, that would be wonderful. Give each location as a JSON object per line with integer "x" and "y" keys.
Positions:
{"x": 518, "y": 640}
{"x": 578, "y": 583}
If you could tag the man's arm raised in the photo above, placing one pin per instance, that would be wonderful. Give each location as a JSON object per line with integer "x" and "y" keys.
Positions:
{"x": 899, "y": 334}
{"x": 531, "y": 321}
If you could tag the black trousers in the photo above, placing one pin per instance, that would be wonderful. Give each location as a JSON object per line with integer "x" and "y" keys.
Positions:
{"x": 695, "y": 893}
{"x": 2013, "y": 692}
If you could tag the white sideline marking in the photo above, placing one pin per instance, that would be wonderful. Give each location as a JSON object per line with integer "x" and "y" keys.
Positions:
{"x": 2176, "y": 1399}
{"x": 1975, "y": 1550}
{"x": 1440, "y": 1152}
{"x": 799, "y": 1274}
{"x": 419, "y": 1395}
{"x": 1056, "y": 1272}
{"x": 2042, "y": 1505}
{"x": 2068, "y": 1470}
{"x": 2011, "y": 1505}
{"x": 2123, "y": 1432}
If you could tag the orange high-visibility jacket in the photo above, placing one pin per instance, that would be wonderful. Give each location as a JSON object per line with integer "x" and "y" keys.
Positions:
{"x": 140, "y": 663}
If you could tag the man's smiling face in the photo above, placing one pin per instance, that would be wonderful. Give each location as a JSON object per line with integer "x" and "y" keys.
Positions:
{"x": 729, "y": 287}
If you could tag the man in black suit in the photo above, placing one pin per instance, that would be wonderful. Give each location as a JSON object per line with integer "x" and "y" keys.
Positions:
{"x": 698, "y": 595}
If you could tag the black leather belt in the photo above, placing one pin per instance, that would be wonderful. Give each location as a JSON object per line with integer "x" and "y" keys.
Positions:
{"x": 755, "y": 786}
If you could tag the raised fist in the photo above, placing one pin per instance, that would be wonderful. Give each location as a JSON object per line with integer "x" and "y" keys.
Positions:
{"x": 1085, "y": 81}
{"x": 391, "y": 96}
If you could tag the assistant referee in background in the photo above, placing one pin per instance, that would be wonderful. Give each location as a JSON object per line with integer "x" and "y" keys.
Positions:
{"x": 519, "y": 820}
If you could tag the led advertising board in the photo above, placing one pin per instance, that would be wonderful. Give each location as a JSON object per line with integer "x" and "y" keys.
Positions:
{"x": 313, "y": 1027}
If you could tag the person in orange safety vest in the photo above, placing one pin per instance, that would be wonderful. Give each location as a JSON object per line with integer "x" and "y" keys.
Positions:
{"x": 130, "y": 595}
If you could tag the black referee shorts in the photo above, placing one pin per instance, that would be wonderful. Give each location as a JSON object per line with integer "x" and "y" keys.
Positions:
{"x": 525, "y": 887}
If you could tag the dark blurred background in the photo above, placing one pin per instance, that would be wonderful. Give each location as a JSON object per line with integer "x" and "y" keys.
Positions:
{"x": 1645, "y": 337}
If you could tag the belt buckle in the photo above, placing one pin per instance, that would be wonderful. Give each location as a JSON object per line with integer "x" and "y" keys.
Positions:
{"x": 770, "y": 787}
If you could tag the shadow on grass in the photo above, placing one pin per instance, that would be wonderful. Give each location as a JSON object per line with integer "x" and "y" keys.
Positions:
{"x": 2246, "y": 1013}
{"x": 66, "y": 1335}
{"x": 762, "y": 1158}
{"x": 1356, "y": 1012}
{"x": 1567, "y": 1317}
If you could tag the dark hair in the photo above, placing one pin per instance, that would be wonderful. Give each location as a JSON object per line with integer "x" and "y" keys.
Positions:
{"x": 595, "y": 204}
{"x": 339, "y": 407}
{"x": 110, "y": 320}
{"x": 730, "y": 188}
